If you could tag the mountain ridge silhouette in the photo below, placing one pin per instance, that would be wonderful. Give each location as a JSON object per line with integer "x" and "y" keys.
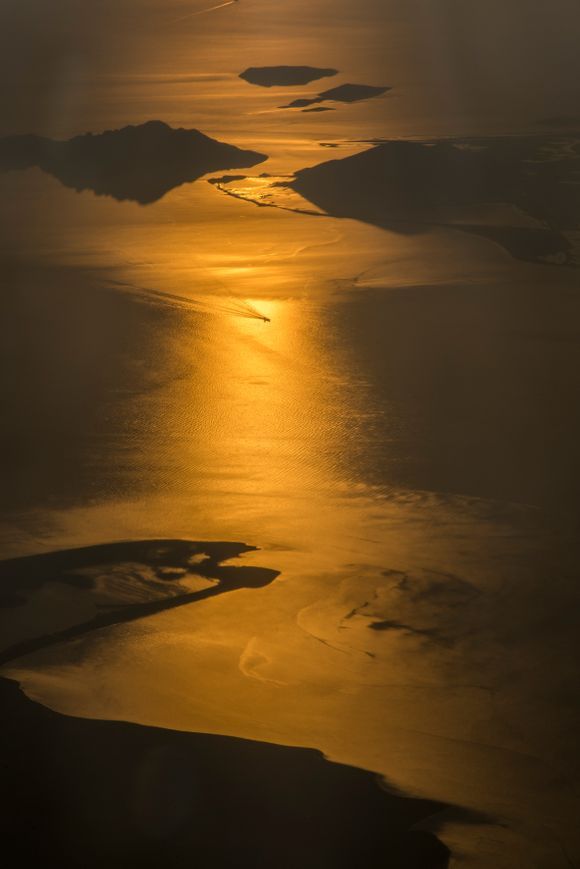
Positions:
{"x": 135, "y": 163}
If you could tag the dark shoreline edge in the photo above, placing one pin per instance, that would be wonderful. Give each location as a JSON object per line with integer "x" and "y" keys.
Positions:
{"x": 83, "y": 793}
{"x": 91, "y": 793}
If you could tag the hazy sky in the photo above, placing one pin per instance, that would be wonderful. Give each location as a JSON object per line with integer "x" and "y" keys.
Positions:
{"x": 497, "y": 59}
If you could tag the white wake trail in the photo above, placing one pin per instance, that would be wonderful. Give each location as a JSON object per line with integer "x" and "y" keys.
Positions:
{"x": 226, "y": 305}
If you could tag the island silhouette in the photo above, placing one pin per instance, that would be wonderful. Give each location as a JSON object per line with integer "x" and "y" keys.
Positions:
{"x": 408, "y": 186}
{"x": 284, "y": 76}
{"x": 136, "y": 163}
{"x": 344, "y": 93}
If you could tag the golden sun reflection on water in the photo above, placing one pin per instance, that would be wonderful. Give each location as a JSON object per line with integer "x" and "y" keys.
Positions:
{"x": 255, "y": 435}
{"x": 262, "y": 431}
{"x": 264, "y": 411}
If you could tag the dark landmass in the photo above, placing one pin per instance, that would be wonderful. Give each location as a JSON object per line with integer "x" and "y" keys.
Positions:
{"x": 284, "y": 76}
{"x": 353, "y": 93}
{"x": 80, "y": 793}
{"x": 226, "y": 179}
{"x": 408, "y": 187}
{"x": 147, "y": 565}
{"x": 344, "y": 93}
{"x": 320, "y": 109}
{"x": 139, "y": 164}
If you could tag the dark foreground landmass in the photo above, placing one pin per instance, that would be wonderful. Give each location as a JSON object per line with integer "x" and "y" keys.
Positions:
{"x": 408, "y": 186}
{"x": 284, "y": 76}
{"x": 80, "y": 793}
{"x": 137, "y": 163}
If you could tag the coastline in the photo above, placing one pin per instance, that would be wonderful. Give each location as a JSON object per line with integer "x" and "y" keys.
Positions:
{"x": 86, "y": 793}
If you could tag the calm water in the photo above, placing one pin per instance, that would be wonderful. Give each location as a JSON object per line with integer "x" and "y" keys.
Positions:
{"x": 400, "y": 441}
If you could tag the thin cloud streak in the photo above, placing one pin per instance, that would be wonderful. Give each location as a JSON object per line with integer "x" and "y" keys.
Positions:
{"x": 204, "y": 11}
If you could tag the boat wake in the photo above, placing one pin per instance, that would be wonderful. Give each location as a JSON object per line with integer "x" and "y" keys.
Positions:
{"x": 228, "y": 305}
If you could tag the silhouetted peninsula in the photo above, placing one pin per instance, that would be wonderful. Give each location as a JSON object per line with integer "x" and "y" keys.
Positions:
{"x": 135, "y": 579}
{"x": 136, "y": 163}
{"x": 409, "y": 186}
{"x": 284, "y": 76}
{"x": 344, "y": 93}
{"x": 101, "y": 793}
{"x": 226, "y": 179}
